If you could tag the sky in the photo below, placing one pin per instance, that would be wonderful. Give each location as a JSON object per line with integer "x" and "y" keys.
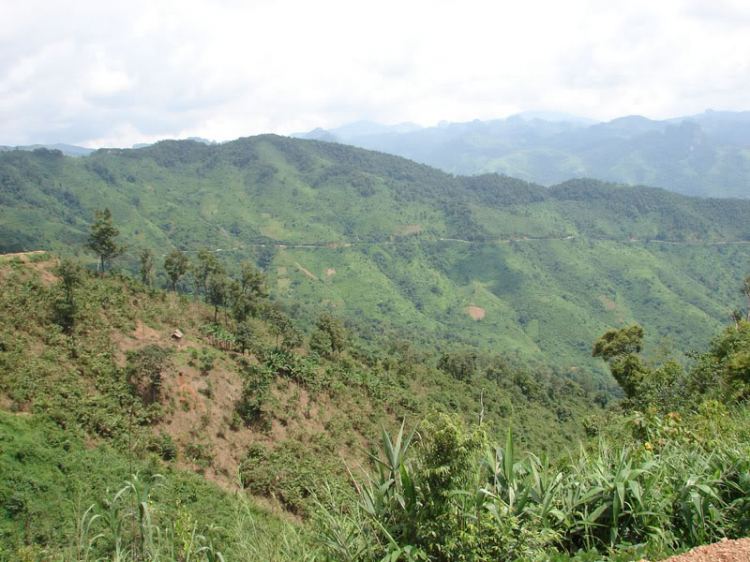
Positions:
{"x": 117, "y": 73}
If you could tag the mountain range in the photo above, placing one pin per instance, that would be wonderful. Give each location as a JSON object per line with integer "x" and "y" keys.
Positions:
{"x": 705, "y": 155}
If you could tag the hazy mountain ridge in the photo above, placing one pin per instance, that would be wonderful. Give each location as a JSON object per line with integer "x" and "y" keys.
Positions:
{"x": 704, "y": 155}
{"x": 66, "y": 149}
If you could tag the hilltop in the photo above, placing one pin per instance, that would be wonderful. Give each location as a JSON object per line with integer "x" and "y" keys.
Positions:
{"x": 139, "y": 424}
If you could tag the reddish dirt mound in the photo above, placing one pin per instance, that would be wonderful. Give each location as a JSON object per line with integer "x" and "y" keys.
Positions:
{"x": 608, "y": 304}
{"x": 410, "y": 229}
{"x": 330, "y": 272}
{"x": 143, "y": 332}
{"x": 724, "y": 551}
{"x": 476, "y": 312}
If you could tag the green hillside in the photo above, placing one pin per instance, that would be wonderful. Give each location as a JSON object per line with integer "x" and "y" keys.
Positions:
{"x": 121, "y": 442}
{"x": 94, "y": 389}
{"x": 398, "y": 248}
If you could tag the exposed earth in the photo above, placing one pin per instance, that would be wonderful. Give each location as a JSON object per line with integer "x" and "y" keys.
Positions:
{"x": 724, "y": 551}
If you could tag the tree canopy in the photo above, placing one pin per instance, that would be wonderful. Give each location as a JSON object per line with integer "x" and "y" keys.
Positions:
{"x": 103, "y": 238}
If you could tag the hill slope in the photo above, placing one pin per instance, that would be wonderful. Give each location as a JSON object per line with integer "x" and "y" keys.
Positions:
{"x": 530, "y": 272}
{"x": 93, "y": 393}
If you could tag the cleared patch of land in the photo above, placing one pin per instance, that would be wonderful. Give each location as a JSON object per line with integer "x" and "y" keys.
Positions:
{"x": 476, "y": 312}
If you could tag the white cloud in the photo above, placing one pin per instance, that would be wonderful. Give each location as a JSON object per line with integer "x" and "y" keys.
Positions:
{"x": 94, "y": 72}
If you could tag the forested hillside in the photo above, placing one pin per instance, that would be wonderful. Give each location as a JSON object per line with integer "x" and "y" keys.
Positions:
{"x": 402, "y": 249}
{"x": 243, "y": 399}
{"x": 139, "y": 424}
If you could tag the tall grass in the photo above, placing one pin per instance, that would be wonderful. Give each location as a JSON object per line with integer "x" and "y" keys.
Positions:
{"x": 499, "y": 504}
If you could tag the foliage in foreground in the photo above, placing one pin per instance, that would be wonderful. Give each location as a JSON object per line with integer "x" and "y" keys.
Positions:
{"x": 445, "y": 493}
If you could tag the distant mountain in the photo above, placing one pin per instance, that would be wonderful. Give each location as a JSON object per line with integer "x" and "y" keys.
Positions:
{"x": 358, "y": 130}
{"x": 66, "y": 149}
{"x": 706, "y": 155}
{"x": 556, "y": 116}
{"x": 195, "y": 139}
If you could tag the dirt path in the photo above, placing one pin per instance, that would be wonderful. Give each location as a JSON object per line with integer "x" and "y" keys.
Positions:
{"x": 724, "y": 551}
{"x": 281, "y": 245}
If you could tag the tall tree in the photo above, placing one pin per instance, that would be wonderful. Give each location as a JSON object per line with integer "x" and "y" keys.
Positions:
{"x": 176, "y": 265}
{"x": 266, "y": 255}
{"x": 218, "y": 291}
{"x": 208, "y": 264}
{"x": 103, "y": 238}
{"x": 70, "y": 273}
{"x": 746, "y": 292}
{"x": 147, "y": 266}
{"x": 287, "y": 336}
{"x": 253, "y": 281}
{"x": 329, "y": 337}
{"x": 619, "y": 347}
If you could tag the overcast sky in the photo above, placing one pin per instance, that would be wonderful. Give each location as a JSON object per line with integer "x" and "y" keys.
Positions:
{"x": 116, "y": 73}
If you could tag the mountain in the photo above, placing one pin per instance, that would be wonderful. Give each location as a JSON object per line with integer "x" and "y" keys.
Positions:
{"x": 556, "y": 116}
{"x": 66, "y": 149}
{"x": 705, "y": 155}
{"x": 486, "y": 262}
{"x": 356, "y": 130}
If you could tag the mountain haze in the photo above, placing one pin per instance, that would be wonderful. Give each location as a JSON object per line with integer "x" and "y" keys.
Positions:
{"x": 704, "y": 155}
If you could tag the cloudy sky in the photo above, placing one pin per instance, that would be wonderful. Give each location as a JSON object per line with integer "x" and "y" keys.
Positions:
{"x": 116, "y": 73}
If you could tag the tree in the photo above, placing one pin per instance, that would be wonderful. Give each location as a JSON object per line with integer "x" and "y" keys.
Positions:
{"x": 246, "y": 334}
{"x": 176, "y": 265}
{"x": 102, "y": 239}
{"x": 266, "y": 255}
{"x": 320, "y": 343}
{"x": 245, "y": 294}
{"x": 619, "y": 348}
{"x": 218, "y": 291}
{"x": 253, "y": 282}
{"x": 460, "y": 365}
{"x": 746, "y": 292}
{"x": 208, "y": 264}
{"x": 331, "y": 331}
{"x": 287, "y": 336}
{"x": 147, "y": 266}
{"x": 144, "y": 370}
{"x": 70, "y": 273}
{"x": 724, "y": 371}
